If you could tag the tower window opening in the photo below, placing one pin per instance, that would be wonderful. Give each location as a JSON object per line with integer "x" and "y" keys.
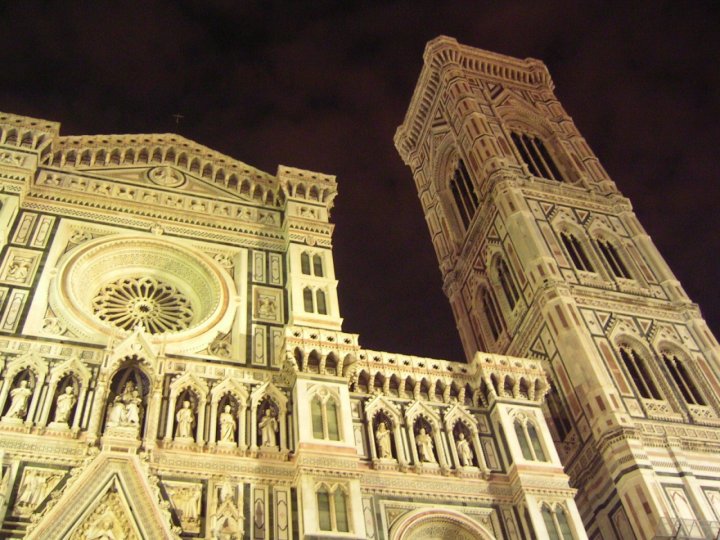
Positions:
{"x": 683, "y": 380}
{"x": 507, "y": 283}
{"x": 308, "y": 302}
{"x": 558, "y": 413}
{"x": 639, "y": 373}
{"x": 556, "y": 523}
{"x": 305, "y": 263}
{"x": 529, "y": 441}
{"x": 537, "y": 158}
{"x": 579, "y": 258}
{"x": 318, "y": 265}
{"x": 492, "y": 314}
{"x": 613, "y": 259}
{"x": 321, "y": 302}
{"x": 466, "y": 199}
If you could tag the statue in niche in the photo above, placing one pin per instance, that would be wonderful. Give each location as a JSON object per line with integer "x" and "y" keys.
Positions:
{"x": 425, "y": 446}
{"x": 382, "y": 438}
{"x": 268, "y": 428}
{"x": 227, "y": 425}
{"x": 126, "y": 407}
{"x": 185, "y": 419}
{"x": 19, "y": 397}
{"x": 465, "y": 453}
{"x": 64, "y": 405}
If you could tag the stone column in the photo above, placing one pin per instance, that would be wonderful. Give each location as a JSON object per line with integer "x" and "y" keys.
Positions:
{"x": 35, "y": 399}
{"x": 79, "y": 405}
{"x": 96, "y": 411}
{"x": 45, "y": 411}
{"x": 152, "y": 416}
{"x": 170, "y": 418}
{"x": 214, "y": 404}
{"x": 242, "y": 435}
{"x": 200, "y": 435}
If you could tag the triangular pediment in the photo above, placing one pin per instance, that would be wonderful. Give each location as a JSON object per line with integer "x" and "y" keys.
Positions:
{"x": 111, "y": 494}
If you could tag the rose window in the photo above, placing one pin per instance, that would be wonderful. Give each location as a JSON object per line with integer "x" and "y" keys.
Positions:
{"x": 157, "y": 306}
{"x": 111, "y": 285}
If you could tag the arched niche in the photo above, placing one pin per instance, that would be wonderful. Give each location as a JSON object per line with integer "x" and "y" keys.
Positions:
{"x": 436, "y": 524}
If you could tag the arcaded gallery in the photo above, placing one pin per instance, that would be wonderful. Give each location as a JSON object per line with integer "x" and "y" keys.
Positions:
{"x": 173, "y": 361}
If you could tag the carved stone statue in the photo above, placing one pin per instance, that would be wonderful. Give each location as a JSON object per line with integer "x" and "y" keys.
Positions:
{"x": 64, "y": 405}
{"x": 268, "y": 428}
{"x": 185, "y": 418}
{"x": 19, "y": 397}
{"x": 126, "y": 408}
{"x": 227, "y": 425}
{"x": 465, "y": 453}
{"x": 425, "y": 446}
{"x": 382, "y": 438}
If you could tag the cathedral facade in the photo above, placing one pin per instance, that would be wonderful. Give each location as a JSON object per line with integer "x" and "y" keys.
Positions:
{"x": 174, "y": 364}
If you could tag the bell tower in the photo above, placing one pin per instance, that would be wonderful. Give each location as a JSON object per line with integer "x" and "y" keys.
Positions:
{"x": 542, "y": 257}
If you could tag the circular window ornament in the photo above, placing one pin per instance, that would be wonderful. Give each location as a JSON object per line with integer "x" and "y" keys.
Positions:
{"x": 147, "y": 302}
{"x": 113, "y": 284}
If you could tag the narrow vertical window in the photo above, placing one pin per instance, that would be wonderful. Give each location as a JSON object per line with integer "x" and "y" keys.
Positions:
{"x": 318, "y": 265}
{"x": 577, "y": 253}
{"x": 536, "y": 444}
{"x": 317, "y": 418}
{"x": 613, "y": 259}
{"x": 341, "y": 514}
{"x": 507, "y": 283}
{"x": 305, "y": 263}
{"x": 558, "y": 413}
{"x": 550, "y": 524}
{"x": 321, "y": 304}
{"x": 323, "y": 502}
{"x": 308, "y": 300}
{"x": 683, "y": 380}
{"x": 562, "y": 520}
{"x": 332, "y": 420}
{"x": 522, "y": 439}
{"x": 466, "y": 200}
{"x": 492, "y": 314}
{"x": 639, "y": 374}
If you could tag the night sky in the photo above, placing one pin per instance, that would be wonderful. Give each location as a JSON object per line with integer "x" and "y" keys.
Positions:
{"x": 324, "y": 88}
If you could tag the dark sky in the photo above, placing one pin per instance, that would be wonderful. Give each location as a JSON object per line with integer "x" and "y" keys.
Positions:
{"x": 324, "y": 87}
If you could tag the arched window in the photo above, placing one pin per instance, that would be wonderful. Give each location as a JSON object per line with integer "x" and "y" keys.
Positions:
{"x": 317, "y": 420}
{"x": 466, "y": 199}
{"x": 318, "y": 265}
{"x": 639, "y": 373}
{"x": 325, "y": 418}
{"x": 683, "y": 380}
{"x": 332, "y": 510}
{"x": 613, "y": 259}
{"x": 507, "y": 283}
{"x": 558, "y": 413}
{"x": 321, "y": 303}
{"x": 491, "y": 312}
{"x": 577, "y": 253}
{"x": 308, "y": 302}
{"x": 556, "y": 523}
{"x": 522, "y": 439}
{"x": 535, "y": 441}
{"x": 538, "y": 160}
{"x": 530, "y": 444}
{"x": 305, "y": 263}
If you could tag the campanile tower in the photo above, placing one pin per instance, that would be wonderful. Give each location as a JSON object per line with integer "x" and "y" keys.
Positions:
{"x": 542, "y": 257}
